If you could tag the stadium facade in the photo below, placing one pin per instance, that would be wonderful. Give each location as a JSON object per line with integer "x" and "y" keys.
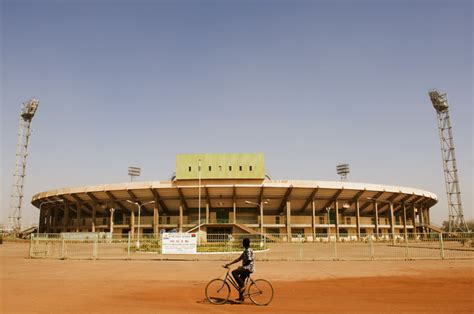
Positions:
{"x": 232, "y": 195}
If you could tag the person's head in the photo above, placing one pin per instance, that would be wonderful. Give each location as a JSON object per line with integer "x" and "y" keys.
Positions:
{"x": 246, "y": 243}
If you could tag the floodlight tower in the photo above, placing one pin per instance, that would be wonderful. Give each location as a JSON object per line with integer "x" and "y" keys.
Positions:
{"x": 343, "y": 170}
{"x": 456, "y": 216}
{"x": 27, "y": 113}
{"x": 134, "y": 172}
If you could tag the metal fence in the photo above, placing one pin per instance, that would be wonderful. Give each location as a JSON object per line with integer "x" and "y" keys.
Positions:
{"x": 267, "y": 247}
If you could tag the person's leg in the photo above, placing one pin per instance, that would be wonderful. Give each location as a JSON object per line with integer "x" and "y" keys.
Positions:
{"x": 237, "y": 276}
{"x": 243, "y": 275}
{"x": 237, "y": 273}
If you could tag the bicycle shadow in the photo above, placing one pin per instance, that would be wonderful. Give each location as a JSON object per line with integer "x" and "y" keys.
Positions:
{"x": 230, "y": 302}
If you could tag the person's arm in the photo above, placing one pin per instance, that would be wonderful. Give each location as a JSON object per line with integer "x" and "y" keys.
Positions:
{"x": 236, "y": 260}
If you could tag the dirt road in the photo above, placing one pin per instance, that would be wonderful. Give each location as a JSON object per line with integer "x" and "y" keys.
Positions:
{"x": 55, "y": 286}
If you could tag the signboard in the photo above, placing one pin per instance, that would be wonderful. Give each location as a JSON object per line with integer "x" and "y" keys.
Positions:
{"x": 178, "y": 243}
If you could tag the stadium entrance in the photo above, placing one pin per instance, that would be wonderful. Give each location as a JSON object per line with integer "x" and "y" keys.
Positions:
{"x": 219, "y": 230}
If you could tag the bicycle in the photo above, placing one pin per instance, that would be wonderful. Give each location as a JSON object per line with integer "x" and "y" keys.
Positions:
{"x": 260, "y": 291}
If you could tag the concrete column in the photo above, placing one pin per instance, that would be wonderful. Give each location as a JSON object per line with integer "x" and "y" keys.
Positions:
{"x": 66, "y": 217}
{"x": 420, "y": 215}
{"x": 47, "y": 217}
{"x": 94, "y": 214}
{"x": 376, "y": 207}
{"x": 420, "y": 218}
{"x": 78, "y": 216}
{"x": 207, "y": 213}
{"x": 425, "y": 216}
{"x": 336, "y": 205}
{"x": 156, "y": 216}
{"x": 55, "y": 218}
{"x": 234, "y": 214}
{"x": 313, "y": 221}
{"x": 180, "y": 224}
{"x": 358, "y": 219}
{"x": 50, "y": 220}
{"x": 428, "y": 220}
{"x": 112, "y": 210}
{"x": 132, "y": 223}
{"x": 42, "y": 220}
{"x": 392, "y": 223}
{"x": 288, "y": 220}
{"x": 415, "y": 233}
{"x": 405, "y": 221}
{"x": 261, "y": 217}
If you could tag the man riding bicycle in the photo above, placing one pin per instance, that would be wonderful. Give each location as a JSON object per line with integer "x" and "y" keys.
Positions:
{"x": 242, "y": 272}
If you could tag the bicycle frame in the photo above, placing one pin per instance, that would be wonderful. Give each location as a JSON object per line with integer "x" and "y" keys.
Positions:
{"x": 230, "y": 279}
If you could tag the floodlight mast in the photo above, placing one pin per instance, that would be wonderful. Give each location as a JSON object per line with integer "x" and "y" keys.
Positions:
{"x": 343, "y": 170}
{"x": 27, "y": 113}
{"x": 456, "y": 217}
{"x": 134, "y": 172}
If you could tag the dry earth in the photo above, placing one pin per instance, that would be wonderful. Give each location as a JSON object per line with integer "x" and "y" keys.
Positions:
{"x": 107, "y": 286}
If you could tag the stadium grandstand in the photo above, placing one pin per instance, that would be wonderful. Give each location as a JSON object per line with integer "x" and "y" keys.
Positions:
{"x": 231, "y": 194}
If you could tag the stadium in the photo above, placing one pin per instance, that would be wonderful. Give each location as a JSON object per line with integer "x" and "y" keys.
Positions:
{"x": 231, "y": 194}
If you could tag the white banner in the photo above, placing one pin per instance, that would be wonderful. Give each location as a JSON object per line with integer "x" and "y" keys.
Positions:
{"x": 178, "y": 243}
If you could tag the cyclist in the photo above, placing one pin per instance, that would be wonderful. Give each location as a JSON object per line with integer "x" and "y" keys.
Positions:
{"x": 242, "y": 272}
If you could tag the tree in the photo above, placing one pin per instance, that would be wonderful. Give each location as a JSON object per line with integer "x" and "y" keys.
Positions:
{"x": 469, "y": 223}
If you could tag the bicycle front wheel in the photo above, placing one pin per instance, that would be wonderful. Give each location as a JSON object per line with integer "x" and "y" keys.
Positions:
{"x": 217, "y": 291}
{"x": 261, "y": 292}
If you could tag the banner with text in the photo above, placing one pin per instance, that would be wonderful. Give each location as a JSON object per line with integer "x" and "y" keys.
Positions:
{"x": 178, "y": 243}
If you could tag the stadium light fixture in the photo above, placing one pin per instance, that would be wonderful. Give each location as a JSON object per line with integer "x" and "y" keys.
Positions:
{"x": 343, "y": 170}
{"x": 139, "y": 210}
{"x": 134, "y": 172}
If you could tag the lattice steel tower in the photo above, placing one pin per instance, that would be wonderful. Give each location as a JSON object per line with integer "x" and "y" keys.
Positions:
{"x": 27, "y": 113}
{"x": 456, "y": 216}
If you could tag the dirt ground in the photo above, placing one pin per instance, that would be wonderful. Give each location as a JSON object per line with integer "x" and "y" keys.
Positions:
{"x": 105, "y": 286}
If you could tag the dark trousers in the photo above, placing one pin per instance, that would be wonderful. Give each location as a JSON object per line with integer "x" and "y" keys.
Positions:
{"x": 240, "y": 274}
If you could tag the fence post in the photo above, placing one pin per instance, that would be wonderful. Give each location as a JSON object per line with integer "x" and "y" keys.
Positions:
{"x": 31, "y": 246}
{"x": 128, "y": 245}
{"x": 94, "y": 247}
{"x": 371, "y": 248}
{"x": 265, "y": 248}
{"x": 63, "y": 253}
{"x": 335, "y": 250}
{"x": 300, "y": 251}
{"x": 441, "y": 245}
{"x": 406, "y": 248}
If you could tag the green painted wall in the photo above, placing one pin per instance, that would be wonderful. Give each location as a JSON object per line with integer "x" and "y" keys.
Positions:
{"x": 220, "y": 166}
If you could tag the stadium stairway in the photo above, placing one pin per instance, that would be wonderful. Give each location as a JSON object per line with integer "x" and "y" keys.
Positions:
{"x": 245, "y": 229}
{"x": 251, "y": 231}
{"x": 26, "y": 232}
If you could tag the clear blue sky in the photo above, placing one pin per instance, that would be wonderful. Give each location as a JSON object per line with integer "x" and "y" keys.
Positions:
{"x": 308, "y": 83}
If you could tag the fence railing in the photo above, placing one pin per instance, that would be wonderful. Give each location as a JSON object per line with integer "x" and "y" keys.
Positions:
{"x": 267, "y": 246}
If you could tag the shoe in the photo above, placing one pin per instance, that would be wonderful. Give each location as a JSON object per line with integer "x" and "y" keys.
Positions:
{"x": 240, "y": 299}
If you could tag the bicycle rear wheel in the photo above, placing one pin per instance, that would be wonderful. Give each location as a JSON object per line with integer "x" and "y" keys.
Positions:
{"x": 261, "y": 292}
{"x": 217, "y": 291}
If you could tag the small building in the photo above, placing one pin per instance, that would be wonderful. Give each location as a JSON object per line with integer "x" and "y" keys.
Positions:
{"x": 231, "y": 194}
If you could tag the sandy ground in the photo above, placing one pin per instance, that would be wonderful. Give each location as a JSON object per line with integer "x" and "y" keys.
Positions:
{"x": 56, "y": 286}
